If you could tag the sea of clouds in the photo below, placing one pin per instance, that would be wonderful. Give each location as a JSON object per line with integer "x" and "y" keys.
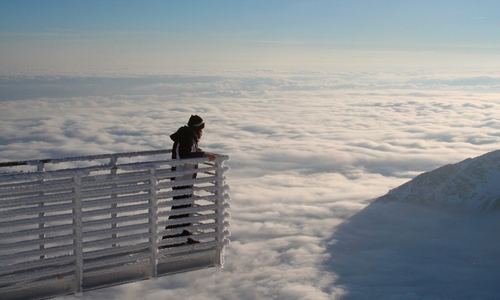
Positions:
{"x": 309, "y": 153}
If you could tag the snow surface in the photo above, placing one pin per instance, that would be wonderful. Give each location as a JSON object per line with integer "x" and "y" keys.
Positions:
{"x": 471, "y": 184}
{"x": 426, "y": 237}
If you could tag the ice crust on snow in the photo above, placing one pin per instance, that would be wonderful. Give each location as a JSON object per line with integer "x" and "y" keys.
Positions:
{"x": 473, "y": 183}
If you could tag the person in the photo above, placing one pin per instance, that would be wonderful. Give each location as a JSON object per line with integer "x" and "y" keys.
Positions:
{"x": 185, "y": 145}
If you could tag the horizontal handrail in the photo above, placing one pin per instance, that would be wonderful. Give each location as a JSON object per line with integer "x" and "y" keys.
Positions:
{"x": 36, "y": 162}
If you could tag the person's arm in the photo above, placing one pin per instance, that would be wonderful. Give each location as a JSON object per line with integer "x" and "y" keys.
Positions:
{"x": 185, "y": 151}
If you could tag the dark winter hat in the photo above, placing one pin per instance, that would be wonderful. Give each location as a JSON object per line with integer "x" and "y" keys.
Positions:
{"x": 196, "y": 121}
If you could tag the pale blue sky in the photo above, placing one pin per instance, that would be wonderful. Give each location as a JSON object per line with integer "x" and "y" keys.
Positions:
{"x": 182, "y": 35}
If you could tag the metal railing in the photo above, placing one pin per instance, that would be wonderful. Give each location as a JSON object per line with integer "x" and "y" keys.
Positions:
{"x": 91, "y": 222}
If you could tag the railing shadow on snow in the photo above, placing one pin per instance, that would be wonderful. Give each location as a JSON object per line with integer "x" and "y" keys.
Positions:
{"x": 82, "y": 223}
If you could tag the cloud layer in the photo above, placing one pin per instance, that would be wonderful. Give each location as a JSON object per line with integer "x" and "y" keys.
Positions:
{"x": 309, "y": 150}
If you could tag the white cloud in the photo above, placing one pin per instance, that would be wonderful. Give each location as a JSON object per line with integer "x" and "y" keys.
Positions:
{"x": 308, "y": 152}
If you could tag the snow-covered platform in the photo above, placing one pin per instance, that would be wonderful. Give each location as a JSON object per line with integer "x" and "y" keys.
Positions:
{"x": 75, "y": 224}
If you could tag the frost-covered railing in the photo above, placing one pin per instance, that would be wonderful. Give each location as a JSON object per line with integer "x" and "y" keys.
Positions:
{"x": 83, "y": 223}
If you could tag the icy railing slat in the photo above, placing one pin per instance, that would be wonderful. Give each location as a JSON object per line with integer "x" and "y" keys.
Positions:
{"x": 16, "y": 224}
{"x": 36, "y": 210}
{"x": 42, "y": 274}
{"x": 35, "y": 241}
{"x": 80, "y": 223}
{"x": 37, "y": 198}
{"x": 95, "y": 254}
{"x": 110, "y": 262}
{"x": 62, "y": 260}
{"x": 31, "y": 232}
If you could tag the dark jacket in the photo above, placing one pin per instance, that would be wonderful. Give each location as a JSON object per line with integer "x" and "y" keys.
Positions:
{"x": 185, "y": 144}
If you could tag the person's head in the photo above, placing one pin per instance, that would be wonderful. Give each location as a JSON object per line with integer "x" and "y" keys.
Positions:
{"x": 197, "y": 124}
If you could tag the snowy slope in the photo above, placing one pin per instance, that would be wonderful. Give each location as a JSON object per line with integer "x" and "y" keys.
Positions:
{"x": 471, "y": 184}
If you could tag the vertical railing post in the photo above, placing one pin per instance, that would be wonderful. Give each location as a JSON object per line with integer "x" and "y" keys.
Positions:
{"x": 78, "y": 233}
{"x": 219, "y": 210}
{"x": 114, "y": 205}
{"x": 153, "y": 221}
{"x": 222, "y": 214}
{"x": 41, "y": 225}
